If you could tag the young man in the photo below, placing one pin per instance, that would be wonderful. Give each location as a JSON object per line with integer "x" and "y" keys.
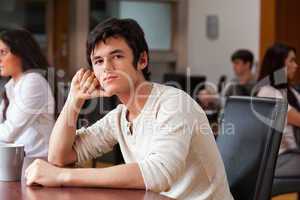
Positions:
{"x": 163, "y": 134}
{"x": 242, "y": 61}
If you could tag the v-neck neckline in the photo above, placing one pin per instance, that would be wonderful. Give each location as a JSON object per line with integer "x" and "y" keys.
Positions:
{"x": 148, "y": 101}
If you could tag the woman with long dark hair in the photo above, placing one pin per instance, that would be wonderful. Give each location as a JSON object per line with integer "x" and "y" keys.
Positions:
{"x": 278, "y": 69}
{"x": 27, "y": 107}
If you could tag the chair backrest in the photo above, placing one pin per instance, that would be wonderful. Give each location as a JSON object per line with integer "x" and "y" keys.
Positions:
{"x": 249, "y": 140}
{"x": 95, "y": 109}
{"x": 190, "y": 84}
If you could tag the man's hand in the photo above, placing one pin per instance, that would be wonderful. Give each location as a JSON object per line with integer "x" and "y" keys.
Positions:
{"x": 42, "y": 173}
{"x": 85, "y": 86}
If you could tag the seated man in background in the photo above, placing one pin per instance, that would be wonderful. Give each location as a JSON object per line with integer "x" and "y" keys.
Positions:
{"x": 242, "y": 84}
{"x": 164, "y": 135}
{"x": 211, "y": 99}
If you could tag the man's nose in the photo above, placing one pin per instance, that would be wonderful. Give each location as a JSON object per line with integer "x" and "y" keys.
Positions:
{"x": 108, "y": 66}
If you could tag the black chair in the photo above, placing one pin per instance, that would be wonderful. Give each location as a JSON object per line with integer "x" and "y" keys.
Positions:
{"x": 249, "y": 147}
{"x": 287, "y": 174}
{"x": 298, "y": 88}
{"x": 189, "y": 84}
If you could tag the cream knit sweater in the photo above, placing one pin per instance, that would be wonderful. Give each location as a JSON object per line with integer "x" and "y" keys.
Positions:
{"x": 171, "y": 141}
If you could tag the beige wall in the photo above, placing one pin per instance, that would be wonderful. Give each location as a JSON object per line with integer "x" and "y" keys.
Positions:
{"x": 238, "y": 28}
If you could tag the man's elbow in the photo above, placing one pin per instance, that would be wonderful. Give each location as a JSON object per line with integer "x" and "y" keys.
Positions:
{"x": 162, "y": 183}
{"x": 159, "y": 187}
{"x": 56, "y": 160}
{"x": 159, "y": 176}
{"x": 61, "y": 160}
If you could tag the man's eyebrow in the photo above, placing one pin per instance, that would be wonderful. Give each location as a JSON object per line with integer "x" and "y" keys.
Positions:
{"x": 112, "y": 52}
{"x": 96, "y": 57}
{"x": 116, "y": 51}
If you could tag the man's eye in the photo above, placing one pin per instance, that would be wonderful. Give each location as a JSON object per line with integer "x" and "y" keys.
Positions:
{"x": 97, "y": 62}
{"x": 118, "y": 56}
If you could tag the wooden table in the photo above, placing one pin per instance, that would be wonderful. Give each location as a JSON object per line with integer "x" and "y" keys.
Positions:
{"x": 19, "y": 191}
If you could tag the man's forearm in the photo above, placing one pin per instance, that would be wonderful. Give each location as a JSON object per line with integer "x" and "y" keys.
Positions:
{"x": 120, "y": 176}
{"x": 63, "y": 134}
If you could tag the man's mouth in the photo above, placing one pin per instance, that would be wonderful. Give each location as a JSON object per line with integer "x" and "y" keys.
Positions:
{"x": 110, "y": 78}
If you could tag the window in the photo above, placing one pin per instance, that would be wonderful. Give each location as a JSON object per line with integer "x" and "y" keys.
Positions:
{"x": 154, "y": 18}
{"x": 28, "y": 14}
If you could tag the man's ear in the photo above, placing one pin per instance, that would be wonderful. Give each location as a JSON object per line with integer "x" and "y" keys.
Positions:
{"x": 143, "y": 61}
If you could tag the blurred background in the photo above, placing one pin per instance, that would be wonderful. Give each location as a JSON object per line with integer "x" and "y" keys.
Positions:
{"x": 187, "y": 38}
{"x": 199, "y": 34}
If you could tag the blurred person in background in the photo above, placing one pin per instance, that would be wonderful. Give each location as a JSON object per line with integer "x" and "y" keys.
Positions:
{"x": 27, "y": 108}
{"x": 212, "y": 100}
{"x": 242, "y": 62}
{"x": 241, "y": 85}
{"x": 277, "y": 71}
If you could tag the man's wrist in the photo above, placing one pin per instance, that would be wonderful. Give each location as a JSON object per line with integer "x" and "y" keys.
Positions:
{"x": 64, "y": 177}
{"x": 75, "y": 103}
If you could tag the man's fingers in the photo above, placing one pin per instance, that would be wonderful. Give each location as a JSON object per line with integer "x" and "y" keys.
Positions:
{"x": 85, "y": 76}
{"x": 94, "y": 85}
{"x": 30, "y": 177}
{"x": 29, "y": 169}
{"x": 81, "y": 73}
{"x": 29, "y": 181}
{"x": 88, "y": 83}
{"x": 32, "y": 181}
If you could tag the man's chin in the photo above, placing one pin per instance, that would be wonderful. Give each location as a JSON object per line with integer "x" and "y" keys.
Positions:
{"x": 110, "y": 91}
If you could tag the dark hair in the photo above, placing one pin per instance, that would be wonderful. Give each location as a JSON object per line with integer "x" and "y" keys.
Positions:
{"x": 274, "y": 61}
{"x": 22, "y": 44}
{"x": 129, "y": 30}
{"x": 244, "y": 55}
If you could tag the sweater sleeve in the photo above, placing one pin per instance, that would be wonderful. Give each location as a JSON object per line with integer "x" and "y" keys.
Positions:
{"x": 166, "y": 160}
{"x": 97, "y": 139}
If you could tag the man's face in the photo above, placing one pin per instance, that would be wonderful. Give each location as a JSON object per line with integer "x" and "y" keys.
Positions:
{"x": 113, "y": 66}
{"x": 240, "y": 67}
